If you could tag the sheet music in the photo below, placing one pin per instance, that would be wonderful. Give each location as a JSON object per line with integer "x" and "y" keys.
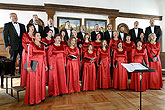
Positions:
{"x": 134, "y": 66}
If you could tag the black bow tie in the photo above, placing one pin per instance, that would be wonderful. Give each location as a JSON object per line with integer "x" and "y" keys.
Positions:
{"x": 51, "y": 26}
{"x": 15, "y": 22}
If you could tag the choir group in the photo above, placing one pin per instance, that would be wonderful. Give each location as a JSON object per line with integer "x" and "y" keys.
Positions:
{"x": 64, "y": 59}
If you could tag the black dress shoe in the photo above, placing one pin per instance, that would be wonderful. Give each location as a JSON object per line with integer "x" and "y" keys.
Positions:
{"x": 43, "y": 100}
{"x": 31, "y": 104}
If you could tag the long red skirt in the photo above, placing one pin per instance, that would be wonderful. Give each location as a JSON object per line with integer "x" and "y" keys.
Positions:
{"x": 120, "y": 78}
{"x": 89, "y": 77}
{"x": 23, "y": 71}
{"x": 73, "y": 76}
{"x": 103, "y": 75}
{"x": 36, "y": 88}
{"x": 57, "y": 77}
{"x": 155, "y": 78}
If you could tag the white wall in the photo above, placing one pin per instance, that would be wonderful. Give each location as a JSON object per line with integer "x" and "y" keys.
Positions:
{"x": 134, "y": 6}
{"x": 23, "y": 16}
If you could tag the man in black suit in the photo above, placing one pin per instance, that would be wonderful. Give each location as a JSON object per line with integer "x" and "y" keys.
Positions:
{"x": 122, "y": 35}
{"x": 81, "y": 34}
{"x": 153, "y": 29}
{"x": 12, "y": 35}
{"x": 94, "y": 33}
{"x": 38, "y": 28}
{"x": 68, "y": 30}
{"x": 135, "y": 32}
{"x": 109, "y": 33}
{"x": 51, "y": 26}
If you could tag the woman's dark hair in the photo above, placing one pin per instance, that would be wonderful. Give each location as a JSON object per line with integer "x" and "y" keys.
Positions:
{"x": 138, "y": 40}
{"x": 56, "y": 35}
{"x": 29, "y": 25}
{"x": 119, "y": 43}
{"x": 48, "y": 30}
{"x": 86, "y": 35}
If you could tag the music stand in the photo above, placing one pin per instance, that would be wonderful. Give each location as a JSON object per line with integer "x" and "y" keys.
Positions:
{"x": 141, "y": 72}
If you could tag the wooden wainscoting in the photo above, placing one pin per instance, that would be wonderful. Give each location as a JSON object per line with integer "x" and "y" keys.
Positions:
{"x": 3, "y": 51}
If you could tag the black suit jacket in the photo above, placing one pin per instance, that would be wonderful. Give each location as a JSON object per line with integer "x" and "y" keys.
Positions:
{"x": 93, "y": 35}
{"x": 40, "y": 30}
{"x": 11, "y": 37}
{"x": 107, "y": 36}
{"x": 46, "y": 28}
{"x": 124, "y": 39}
{"x": 80, "y": 36}
{"x": 133, "y": 35}
{"x": 157, "y": 31}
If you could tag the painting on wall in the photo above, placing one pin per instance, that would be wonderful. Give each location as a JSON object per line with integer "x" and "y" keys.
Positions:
{"x": 90, "y": 24}
{"x": 74, "y": 22}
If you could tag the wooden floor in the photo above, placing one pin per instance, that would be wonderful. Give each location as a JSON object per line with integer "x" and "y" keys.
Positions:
{"x": 102, "y": 99}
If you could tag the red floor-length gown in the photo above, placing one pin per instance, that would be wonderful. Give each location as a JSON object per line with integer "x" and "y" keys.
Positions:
{"x": 46, "y": 50}
{"x": 139, "y": 56}
{"x": 120, "y": 77}
{"x": 89, "y": 72}
{"x": 36, "y": 88}
{"x": 155, "y": 78}
{"x": 57, "y": 76}
{"x": 129, "y": 47}
{"x": 26, "y": 40}
{"x": 72, "y": 70}
{"x": 103, "y": 72}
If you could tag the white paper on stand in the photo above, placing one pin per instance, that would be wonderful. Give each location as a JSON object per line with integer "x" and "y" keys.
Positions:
{"x": 133, "y": 66}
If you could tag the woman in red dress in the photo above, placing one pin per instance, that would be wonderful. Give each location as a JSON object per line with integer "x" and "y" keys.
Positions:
{"x": 113, "y": 46}
{"x": 89, "y": 69}
{"x": 86, "y": 42}
{"x": 57, "y": 74}
{"x": 143, "y": 39}
{"x": 72, "y": 67}
{"x": 120, "y": 77}
{"x": 113, "y": 42}
{"x": 139, "y": 55}
{"x": 97, "y": 42}
{"x": 47, "y": 41}
{"x": 129, "y": 45}
{"x": 26, "y": 40}
{"x": 62, "y": 35}
{"x": 153, "y": 49}
{"x": 103, "y": 72}
{"x": 36, "y": 66}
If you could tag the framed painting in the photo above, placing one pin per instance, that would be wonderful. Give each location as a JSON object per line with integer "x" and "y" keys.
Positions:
{"x": 74, "y": 22}
{"x": 90, "y": 24}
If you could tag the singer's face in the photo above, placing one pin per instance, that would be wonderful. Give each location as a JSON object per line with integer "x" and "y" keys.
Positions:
{"x": 73, "y": 41}
{"x": 128, "y": 38}
{"x": 49, "y": 33}
{"x": 58, "y": 39}
{"x": 37, "y": 37}
{"x": 31, "y": 28}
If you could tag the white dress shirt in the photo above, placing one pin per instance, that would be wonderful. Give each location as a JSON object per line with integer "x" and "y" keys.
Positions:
{"x": 122, "y": 35}
{"x": 152, "y": 29}
{"x": 110, "y": 34}
{"x": 36, "y": 26}
{"x": 69, "y": 32}
{"x": 17, "y": 28}
{"x": 52, "y": 28}
{"x": 136, "y": 32}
